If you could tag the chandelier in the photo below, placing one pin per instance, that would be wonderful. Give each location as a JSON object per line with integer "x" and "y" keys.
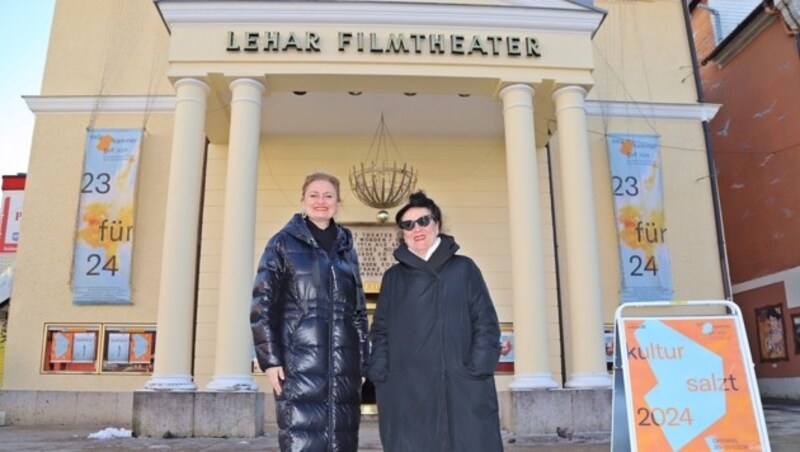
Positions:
{"x": 376, "y": 182}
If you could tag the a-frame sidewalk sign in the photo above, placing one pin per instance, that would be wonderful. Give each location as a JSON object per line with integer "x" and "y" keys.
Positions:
{"x": 684, "y": 379}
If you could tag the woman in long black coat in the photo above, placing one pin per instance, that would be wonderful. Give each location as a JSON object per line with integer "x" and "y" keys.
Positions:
{"x": 435, "y": 344}
{"x": 310, "y": 327}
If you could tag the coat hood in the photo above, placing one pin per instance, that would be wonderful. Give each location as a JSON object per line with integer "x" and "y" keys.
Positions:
{"x": 447, "y": 249}
{"x": 297, "y": 228}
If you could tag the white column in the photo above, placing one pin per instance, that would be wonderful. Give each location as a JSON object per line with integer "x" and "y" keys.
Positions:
{"x": 531, "y": 357}
{"x": 173, "y": 359}
{"x": 587, "y": 357}
{"x": 234, "y": 339}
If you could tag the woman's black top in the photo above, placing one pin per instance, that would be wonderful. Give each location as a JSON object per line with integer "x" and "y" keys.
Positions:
{"x": 324, "y": 237}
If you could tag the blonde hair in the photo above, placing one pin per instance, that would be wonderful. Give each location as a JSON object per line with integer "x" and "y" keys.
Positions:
{"x": 319, "y": 175}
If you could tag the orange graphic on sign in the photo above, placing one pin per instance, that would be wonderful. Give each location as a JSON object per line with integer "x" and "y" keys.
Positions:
{"x": 668, "y": 370}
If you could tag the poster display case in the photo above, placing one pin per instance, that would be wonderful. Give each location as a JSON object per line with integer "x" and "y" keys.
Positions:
{"x": 70, "y": 348}
{"x": 505, "y": 365}
{"x": 129, "y": 348}
{"x": 98, "y": 348}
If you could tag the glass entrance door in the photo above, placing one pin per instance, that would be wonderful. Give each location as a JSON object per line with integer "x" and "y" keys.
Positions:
{"x": 368, "y": 405}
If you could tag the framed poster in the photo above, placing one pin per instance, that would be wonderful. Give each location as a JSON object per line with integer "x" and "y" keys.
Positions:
{"x": 771, "y": 337}
{"x": 84, "y": 347}
{"x": 506, "y": 363}
{"x": 375, "y": 245}
{"x": 129, "y": 348}
{"x": 117, "y": 346}
{"x": 142, "y": 347}
{"x": 70, "y": 348}
{"x": 61, "y": 347}
{"x": 796, "y": 330}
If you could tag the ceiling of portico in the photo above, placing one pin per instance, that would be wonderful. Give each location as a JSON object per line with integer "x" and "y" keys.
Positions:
{"x": 325, "y": 113}
{"x": 415, "y": 115}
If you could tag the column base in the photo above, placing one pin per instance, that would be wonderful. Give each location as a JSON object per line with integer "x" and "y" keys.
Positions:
{"x": 232, "y": 383}
{"x": 171, "y": 383}
{"x": 198, "y": 414}
{"x": 524, "y": 382}
{"x": 589, "y": 380}
{"x": 584, "y": 412}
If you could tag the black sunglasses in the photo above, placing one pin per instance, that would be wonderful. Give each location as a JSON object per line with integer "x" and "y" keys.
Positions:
{"x": 408, "y": 225}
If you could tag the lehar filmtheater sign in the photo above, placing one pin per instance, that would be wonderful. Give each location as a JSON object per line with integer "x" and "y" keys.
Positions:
{"x": 376, "y": 43}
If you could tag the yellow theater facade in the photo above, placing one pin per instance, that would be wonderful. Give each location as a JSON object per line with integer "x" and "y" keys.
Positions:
{"x": 503, "y": 108}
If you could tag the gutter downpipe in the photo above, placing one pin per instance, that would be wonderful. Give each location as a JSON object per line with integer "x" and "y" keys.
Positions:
{"x": 712, "y": 169}
{"x": 561, "y": 347}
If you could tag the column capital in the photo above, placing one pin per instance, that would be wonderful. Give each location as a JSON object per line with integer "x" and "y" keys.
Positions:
{"x": 564, "y": 100}
{"x": 517, "y": 96}
{"x": 517, "y": 87}
{"x": 244, "y": 81}
{"x": 188, "y": 81}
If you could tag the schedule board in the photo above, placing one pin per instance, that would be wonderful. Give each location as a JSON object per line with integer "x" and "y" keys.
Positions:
{"x": 688, "y": 384}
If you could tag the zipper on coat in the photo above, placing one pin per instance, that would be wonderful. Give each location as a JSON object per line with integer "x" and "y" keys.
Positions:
{"x": 439, "y": 312}
{"x": 332, "y": 377}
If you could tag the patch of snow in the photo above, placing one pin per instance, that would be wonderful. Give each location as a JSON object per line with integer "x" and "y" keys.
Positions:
{"x": 111, "y": 432}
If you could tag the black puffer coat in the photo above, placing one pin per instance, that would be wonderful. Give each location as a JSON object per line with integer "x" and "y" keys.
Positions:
{"x": 309, "y": 316}
{"x": 435, "y": 345}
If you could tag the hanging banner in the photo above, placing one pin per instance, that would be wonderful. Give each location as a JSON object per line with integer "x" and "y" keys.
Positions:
{"x": 636, "y": 184}
{"x": 101, "y": 266}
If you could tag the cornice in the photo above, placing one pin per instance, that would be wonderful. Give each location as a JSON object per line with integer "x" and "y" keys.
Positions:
{"x": 138, "y": 104}
{"x": 109, "y": 104}
{"x": 545, "y": 16}
{"x": 699, "y": 112}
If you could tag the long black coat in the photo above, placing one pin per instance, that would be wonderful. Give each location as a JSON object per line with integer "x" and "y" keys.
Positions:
{"x": 309, "y": 316}
{"x": 435, "y": 345}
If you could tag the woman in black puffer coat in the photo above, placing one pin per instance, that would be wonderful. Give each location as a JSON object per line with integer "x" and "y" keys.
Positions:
{"x": 310, "y": 326}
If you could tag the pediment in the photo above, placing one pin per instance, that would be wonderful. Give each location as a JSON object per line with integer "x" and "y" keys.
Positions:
{"x": 560, "y": 15}
{"x": 538, "y": 4}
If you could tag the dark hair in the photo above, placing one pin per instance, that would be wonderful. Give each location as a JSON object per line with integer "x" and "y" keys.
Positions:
{"x": 319, "y": 175}
{"x": 420, "y": 199}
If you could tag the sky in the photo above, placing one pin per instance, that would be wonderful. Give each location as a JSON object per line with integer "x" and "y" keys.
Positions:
{"x": 24, "y": 35}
